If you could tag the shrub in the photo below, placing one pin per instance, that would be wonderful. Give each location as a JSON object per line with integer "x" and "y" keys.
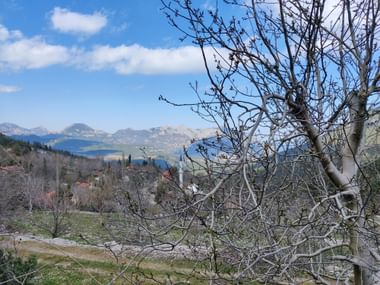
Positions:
{"x": 15, "y": 270}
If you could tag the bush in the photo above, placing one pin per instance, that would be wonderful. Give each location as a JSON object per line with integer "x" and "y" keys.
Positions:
{"x": 161, "y": 190}
{"x": 14, "y": 270}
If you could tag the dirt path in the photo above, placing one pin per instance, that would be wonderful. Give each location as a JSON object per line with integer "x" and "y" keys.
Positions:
{"x": 71, "y": 251}
{"x": 27, "y": 244}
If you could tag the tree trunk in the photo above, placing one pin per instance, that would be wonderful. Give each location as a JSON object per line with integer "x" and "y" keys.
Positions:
{"x": 367, "y": 273}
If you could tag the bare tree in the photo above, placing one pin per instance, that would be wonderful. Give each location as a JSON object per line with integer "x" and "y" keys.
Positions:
{"x": 56, "y": 204}
{"x": 294, "y": 85}
{"x": 12, "y": 198}
{"x": 33, "y": 188}
{"x": 32, "y": 184}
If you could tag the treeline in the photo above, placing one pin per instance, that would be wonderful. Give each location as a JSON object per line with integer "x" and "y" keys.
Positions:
{"x": 20, "y": 148}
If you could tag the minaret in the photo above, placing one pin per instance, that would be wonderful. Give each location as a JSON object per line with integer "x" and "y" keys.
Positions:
{"x": 180, "y": 171}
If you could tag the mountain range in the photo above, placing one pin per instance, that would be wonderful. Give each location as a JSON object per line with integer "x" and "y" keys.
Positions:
{"x": 81, "y": 139}
{"x": 160, "y": 143}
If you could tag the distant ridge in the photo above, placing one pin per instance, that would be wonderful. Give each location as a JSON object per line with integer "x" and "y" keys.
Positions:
{"x": 78, "y": 127}
{"x": 160, "y": 142}
{"x": 79, "y": 138}
{"x": 11, "y": 129}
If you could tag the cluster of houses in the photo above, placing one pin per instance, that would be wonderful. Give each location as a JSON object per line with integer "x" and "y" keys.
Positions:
{"x": 80, "y": 194}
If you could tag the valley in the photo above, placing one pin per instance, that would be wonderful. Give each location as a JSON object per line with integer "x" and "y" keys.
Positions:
{"x": 179, "y": 142}
{"x": 161, "y": 143}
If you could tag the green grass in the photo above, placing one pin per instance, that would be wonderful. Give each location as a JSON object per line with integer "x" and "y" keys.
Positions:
{"x": 65, "y": 270}
{"x": 88, "y": 225}
{"x": 84, "y": 227}
{"x": 56, "y": 275}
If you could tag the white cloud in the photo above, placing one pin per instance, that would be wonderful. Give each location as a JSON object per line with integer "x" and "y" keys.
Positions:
{"x": 31, "y": 54}
{"x": 6, "y": 34}
{"x": 332, "y": 12}
{"x": 120, "y": 28}
{"x": 65, "y": 21}
{"x": 208, "y": 6}
{"x": 18, "y": 52}
{"x": 9, "y": 89}
{"x": 138, "y": 59}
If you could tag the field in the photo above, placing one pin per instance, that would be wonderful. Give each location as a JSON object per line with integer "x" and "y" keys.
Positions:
{"x": 71, "y": 260}
{"x": 71, "y": 263}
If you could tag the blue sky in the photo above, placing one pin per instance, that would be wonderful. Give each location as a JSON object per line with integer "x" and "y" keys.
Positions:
{"x": 103, "y": 63}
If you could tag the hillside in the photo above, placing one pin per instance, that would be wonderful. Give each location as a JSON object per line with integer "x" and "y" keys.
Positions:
{"x": 81, "y": 139}
{"x": 160, "y": 142}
